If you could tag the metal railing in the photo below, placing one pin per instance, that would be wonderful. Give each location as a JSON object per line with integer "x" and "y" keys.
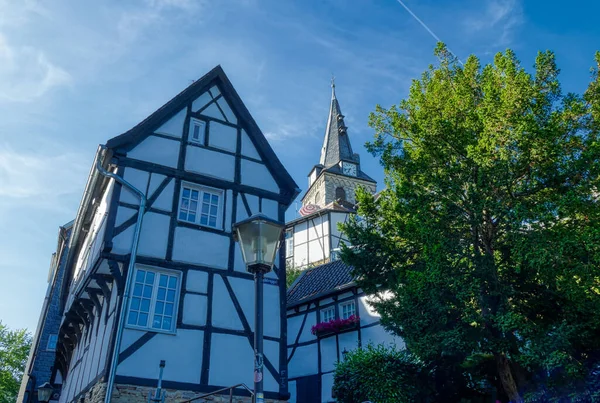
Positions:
{"x": 216, "y": 392}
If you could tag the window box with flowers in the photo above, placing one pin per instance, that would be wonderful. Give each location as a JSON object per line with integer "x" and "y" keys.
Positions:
{"x": 335, "y": 326}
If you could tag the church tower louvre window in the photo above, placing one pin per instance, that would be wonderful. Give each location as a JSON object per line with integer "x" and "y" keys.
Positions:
{"x": 340, "y": 194}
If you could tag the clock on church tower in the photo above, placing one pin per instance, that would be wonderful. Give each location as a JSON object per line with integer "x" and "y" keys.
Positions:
{"x": 337, "y": 175}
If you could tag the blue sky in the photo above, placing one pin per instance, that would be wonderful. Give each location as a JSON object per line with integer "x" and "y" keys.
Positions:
{"x": 72, "y": 76}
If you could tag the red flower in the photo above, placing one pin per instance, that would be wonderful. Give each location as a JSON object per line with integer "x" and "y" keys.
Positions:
{"x": 334, "y": 325}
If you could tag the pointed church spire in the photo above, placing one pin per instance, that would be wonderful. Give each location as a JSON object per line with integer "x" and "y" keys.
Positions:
{"x": 336, "y": 145}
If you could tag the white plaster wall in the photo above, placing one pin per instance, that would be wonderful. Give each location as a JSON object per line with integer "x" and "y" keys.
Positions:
{"x": 328, "y": 354}
{"x": 213, "y": 111}
{"x": 200, "y": 247}
{"x": 348, "y": 341}
{"x": 197, "y": 281}
{"x": 227, "y": 110}
{"x": 270, "y": 208}
{"x": 154, "y": 235}
{"x": 174, "y": 126}
{"x": 252, "y": 203}
{"x": 244, "y": 292}
{"x": 300, "y": 233}
{"x": 258, "y": 176}
{"x": 222, "y": 136}
{"x": 304, "y": 362}
{"x": 311, "y": 320}
{"x": 293, "y": 324}
{"x": 129, "y": 337}
{"x": 139, "y": 179}
{"x": 227, "y": 349}
{"x": 240, "y": 213}
{"x": 201, "y": 101}
{"x": 316, "y": 251}
{"x": 271, "y": 351}
{"x": 272, "y": 316}
{"x": 378, "y": 335}
{"x": 182, "y": 352}
{"x": 224, "y": 314}
{"x": 248, "y": 148}
{"x": 335, "y": 219}
{"x": 165, "y": 198}
{"x": 157, "y": 150}
{"x": 326, "y": 385}
{"x": 238, "y": 260}
{"x": 194, "y": 309}
{"x": 210, "y": 163}
{"x": 366, "y": 313}
{"x": 301, "y": 255}
{"x": 315, "y": 228}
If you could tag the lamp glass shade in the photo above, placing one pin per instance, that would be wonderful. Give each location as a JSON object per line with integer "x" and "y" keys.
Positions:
{"x": 45, "y": 392}
{"x": 259, "y": 239}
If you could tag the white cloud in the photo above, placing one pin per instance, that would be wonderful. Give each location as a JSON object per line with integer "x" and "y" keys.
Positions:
{"x": 26, "y": 73}
{"x": 502, "y": 15}
{"x": 40, "y": 179}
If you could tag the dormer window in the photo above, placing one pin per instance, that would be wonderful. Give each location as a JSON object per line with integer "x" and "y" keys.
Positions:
{"x": 197, "y": 131}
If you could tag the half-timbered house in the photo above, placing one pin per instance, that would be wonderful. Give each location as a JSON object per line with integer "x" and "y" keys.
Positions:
{"x": 153, "y": 272}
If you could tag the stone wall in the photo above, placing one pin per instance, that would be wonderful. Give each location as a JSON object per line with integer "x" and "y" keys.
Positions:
{"x": 139, "y": 394}
{"x": 322, "y": 192}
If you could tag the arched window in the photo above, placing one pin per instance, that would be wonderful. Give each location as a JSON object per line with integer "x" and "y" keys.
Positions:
{"x": 340, "y": 194}
{"x": 317, "y": 196}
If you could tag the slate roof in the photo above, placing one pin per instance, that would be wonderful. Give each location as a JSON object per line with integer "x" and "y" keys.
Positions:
{"x": 320, "y": 281}
{"x": 336, "y": 145}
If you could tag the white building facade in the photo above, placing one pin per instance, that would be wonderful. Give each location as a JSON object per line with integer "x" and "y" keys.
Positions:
{"x": 202, "y": 164}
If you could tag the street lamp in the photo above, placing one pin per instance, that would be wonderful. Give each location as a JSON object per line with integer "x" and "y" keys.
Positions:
{"x": 45, "y": 392}
{"x": 259, "y": 238}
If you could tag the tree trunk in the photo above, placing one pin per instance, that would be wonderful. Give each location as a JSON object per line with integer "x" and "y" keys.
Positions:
{"x": 507, "y": 379}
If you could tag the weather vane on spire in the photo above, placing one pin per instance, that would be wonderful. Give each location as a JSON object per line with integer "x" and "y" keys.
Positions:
{"x": 332, "y": 86}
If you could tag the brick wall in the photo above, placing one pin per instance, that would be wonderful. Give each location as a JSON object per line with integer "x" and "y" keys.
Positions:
{"x": 326, "y": 184}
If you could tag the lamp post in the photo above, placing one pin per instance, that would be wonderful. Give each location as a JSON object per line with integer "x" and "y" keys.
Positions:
{"x": 259, "y": 238}
{"x": 45, "y": 392}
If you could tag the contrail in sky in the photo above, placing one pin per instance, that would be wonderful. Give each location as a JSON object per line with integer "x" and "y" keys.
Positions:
{"x": 437, "y": 38}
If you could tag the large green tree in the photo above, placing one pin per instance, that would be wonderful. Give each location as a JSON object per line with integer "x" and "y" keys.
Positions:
{"x": 14, "y": 349}
{"x": 487, "y": 235}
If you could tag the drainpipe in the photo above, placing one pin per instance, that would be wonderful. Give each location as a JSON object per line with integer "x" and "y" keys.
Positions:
{"x": 134, "y": 247}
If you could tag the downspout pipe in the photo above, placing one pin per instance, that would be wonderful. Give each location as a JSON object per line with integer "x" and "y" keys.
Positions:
{"x": 130, "y": 269}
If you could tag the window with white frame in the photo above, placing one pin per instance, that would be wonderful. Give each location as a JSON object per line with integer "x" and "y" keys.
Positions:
{"x": 197, "y": 130}
{"x": 328, "y": 314}
{"x": 200, "y": 205}
{"x": 154, "y": 300}
{"x": 52, "y": 340}
{"x": 289, "y": 242}
{"x": 347, "y": 309}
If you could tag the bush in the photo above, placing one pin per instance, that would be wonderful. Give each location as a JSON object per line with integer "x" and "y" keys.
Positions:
{"x": 381, "y": 375}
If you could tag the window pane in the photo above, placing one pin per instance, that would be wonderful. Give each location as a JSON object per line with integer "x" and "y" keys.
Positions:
{"x": 213, "y": 210}
{"x": 206, "y": 197}
{"x": 132, "y": 320}
{"x": 215, "y": 199}
{"x": 196, "y": 134}
{"x": 145, "y": 307}
{"x": 185, "y": 204}
{"x": 182, "y": 215}
{"x": 163, "y": 280}
{"x": 204, "y": 219}
{"x": 212, "y": 221}
{"x": 194, "y": 195}
{"x": 171, "y": 295}
{"x": 137, "y": 290}
{"x": 186, "y": 192}
{"x": 205, "y": 208}
{"x": 150, "y": 278}
{"x": 143, "y": 319}
{"x": 135, "y": 303}
{"x": 168, "y": 309}
{"x": 160, "y": 307}
{"x": 162, "y": 292}
{"x": 192, "y": 217}
{"x": 157, "y": 321}
{"x": 194, "y": 206}
{"x": 147, "y": 291}
{"x": 172, "y": 282}
{"x": 166, "y": 323}
{"x": 140, "y": 276}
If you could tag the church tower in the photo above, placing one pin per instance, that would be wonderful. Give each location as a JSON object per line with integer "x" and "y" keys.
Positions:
{"x": 338, "y": 173}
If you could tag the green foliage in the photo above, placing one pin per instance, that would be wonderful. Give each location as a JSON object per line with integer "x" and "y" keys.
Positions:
{"x": 14, "y": 349}
{"x": 381, "y": 375}
{"x": 291, "y": 274}
{"x": 487, "y": 235}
